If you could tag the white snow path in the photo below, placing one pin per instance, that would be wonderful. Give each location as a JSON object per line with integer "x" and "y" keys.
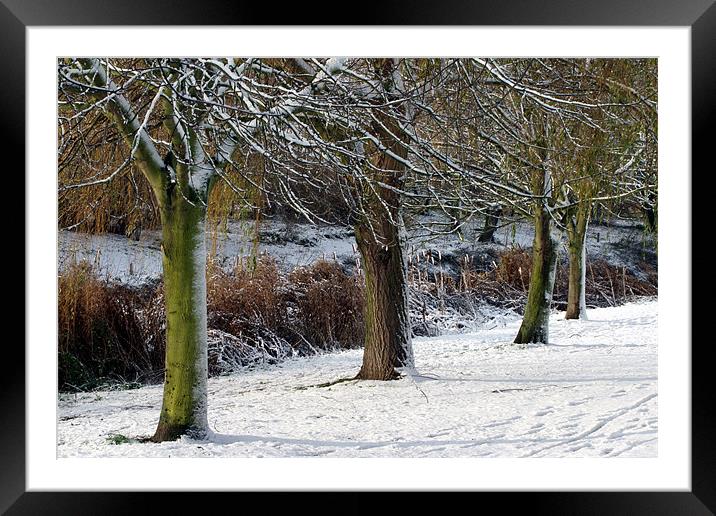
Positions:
{"x": 593, "y": 392}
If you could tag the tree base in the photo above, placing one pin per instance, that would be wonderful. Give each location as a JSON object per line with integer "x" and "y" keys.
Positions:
{"x": 530, "y": 337}
{"x": 166, "y": 432}
{"x": 386, "y": 375}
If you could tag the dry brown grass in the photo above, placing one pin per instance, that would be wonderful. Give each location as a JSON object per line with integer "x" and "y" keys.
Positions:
{"x": 514, "y": 268}
{"x": 329, "y": 304}
{"x": 258, "y": 314}
{"x": 240, "y": 300}
{"x": 107, "y": 332}
{"x": 606, "y": 284}
{"x": 111, "y": 333}
{"x": 507, "y": 283}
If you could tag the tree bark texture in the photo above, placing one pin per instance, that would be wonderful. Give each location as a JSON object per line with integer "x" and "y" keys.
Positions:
{"x": 535, "y": 323}
{"x": 577, "y": 246}
{"x": 184, "y": 405}
{"x": 388, "y": 345}
{"x": 380, "y": 236}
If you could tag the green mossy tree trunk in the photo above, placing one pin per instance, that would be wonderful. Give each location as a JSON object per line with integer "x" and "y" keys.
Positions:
{"x": 535, "y": 323}
{"x": 388, "y": 345}
{"x": 182, "y": 190}
{"x": 576, "y": 244}
{"x": 184, "y": 406}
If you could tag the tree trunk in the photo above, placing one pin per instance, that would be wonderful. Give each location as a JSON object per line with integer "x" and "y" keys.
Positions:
{"x": 380, "y": 235}
{"x": 388, "y": 345}
{"x": 577, "y": 238}
{"x": 649, "y": 208}
{"x": 184, "y": 408}
{"x": 650, "y": 215}
{"x": 535, "y": 323}
{"x": 492, "y": 220}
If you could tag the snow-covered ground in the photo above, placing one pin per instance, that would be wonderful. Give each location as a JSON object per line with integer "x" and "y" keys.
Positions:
{"x": 592, "y": 392}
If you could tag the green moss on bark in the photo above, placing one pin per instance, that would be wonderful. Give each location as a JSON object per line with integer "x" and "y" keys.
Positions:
{"x": 535, "y": 323}
{"x": 184, "y": 260}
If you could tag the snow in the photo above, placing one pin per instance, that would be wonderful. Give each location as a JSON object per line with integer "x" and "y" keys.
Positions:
{"x": 113, "y": 256}
{"x": 199, "y": 391}
{"x": 591, "y": 393}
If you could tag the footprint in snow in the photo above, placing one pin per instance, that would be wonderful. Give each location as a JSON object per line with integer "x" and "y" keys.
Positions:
{"x": 503, "y": 422}
{"x": 579, "y": 402}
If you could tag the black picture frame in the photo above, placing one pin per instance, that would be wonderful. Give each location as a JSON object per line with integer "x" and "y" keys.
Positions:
{"x": 700, "y": 15}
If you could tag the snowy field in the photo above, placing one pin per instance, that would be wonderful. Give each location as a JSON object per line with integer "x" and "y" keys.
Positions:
{"x": 592, "y": 393}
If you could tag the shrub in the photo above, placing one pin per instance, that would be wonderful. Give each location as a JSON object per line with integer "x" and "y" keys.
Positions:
{"x": 514, "y": 268}
{"x": 106, "y": 332}
{"x": 246, "y": 298}
{"x": 329, "y": 305}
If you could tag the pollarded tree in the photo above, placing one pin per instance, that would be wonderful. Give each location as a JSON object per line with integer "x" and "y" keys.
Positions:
{"x": 182, "y": 122}
{"x": 586, "y": 162}
{"x": 547, "y": 234}
{"x": 365, "y": 115}
{"x": 582, "y": 132}
{"x": 511, "y": 139}
{"x": 601, "y": 177}
{"x": 380, "y": 234}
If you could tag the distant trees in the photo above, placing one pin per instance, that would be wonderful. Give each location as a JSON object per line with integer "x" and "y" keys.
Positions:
{"x": 613, "y": 159}
{"x": 547, "y": 139}
{"x": 589, "y": 145}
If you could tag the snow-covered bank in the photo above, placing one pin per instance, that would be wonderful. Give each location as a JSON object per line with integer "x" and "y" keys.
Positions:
{"x": 593, "y": 392}
{"x": 298, "y": 244}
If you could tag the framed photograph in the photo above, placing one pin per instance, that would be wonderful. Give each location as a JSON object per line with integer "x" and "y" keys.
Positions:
{"x": 612, "y": 422}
